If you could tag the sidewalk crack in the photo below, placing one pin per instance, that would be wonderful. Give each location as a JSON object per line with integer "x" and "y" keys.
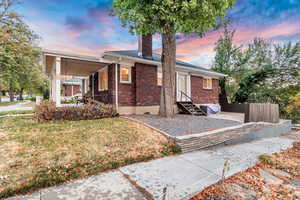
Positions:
{"x": 142, "y": 190}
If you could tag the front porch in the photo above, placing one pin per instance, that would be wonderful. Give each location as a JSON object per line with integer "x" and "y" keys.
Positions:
{"x": 62, "y": 66}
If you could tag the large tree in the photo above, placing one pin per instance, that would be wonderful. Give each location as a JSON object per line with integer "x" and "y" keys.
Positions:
{"x": 229, "y": 60}
{"x": 19, "y": 54}
{"x": 168, "y": 17}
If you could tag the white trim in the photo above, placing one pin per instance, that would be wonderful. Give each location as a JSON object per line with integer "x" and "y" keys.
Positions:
{"x": 188, "y": 85}
{"x": 62, "y": 54}
{"x": 207, "y": 78}
{"x": 105, "y": 69}
{"x": 116, "y": 89}
{"x": 141, "y": 60}
{"x": 93, "y": 85}
{"x": 129, "y": 74}
{"x": 159, "y": 72}
{"x": 57, "y": 73}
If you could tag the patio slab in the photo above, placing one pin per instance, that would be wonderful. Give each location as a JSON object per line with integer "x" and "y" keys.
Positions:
{"x": 182, "y": 125}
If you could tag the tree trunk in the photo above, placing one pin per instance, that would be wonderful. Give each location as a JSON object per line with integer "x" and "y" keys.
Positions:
{"x": 0, "y": 96}
{"x": 21, "y": 94}
{"x": 168, "y": 60}
{"x": 223, "y": 95}
{"x": 11, "y": 93}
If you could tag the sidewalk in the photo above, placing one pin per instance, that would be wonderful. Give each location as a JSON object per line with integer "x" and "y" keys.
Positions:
{"x": 16, "y": 107}
{"x": 188, "y": 174}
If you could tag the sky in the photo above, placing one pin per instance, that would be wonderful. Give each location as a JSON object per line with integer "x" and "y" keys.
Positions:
{"x": 85, "y": 27}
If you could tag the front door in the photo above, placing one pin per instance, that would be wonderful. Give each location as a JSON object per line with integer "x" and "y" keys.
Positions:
{"x": 183, "y": 86}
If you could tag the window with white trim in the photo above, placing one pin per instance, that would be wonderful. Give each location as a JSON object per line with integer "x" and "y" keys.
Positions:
{"x": 159, "y": 77}
{"x": 103, "y": 80}
{"x": 207, "y": 83}
{"x": 125, "y": 74}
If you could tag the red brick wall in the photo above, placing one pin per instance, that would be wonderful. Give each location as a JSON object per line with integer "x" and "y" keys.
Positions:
{"x": 108, "y": 95}
{"x": 204, "y": 96}
{"x": 126, "y": 91}
{"x": 147, "y": 90}
{"x": 144, "y": 91}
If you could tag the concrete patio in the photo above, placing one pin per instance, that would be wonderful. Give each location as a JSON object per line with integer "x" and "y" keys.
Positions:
{"x": 182, "y": 125}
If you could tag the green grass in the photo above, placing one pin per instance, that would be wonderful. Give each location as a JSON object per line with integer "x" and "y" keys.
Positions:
{"x": 36, "y": 155}
{"x": 16, "y": 112}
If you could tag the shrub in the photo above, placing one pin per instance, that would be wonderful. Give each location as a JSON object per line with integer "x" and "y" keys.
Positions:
{"x": 47, "y": 111}
{"x": 293, "y": 109}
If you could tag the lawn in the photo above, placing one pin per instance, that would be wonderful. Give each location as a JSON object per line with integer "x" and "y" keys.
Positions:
{"x": 35, "y": 155}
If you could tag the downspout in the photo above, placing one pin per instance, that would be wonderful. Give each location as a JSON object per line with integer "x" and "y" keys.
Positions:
{"x": 116, "y": 87}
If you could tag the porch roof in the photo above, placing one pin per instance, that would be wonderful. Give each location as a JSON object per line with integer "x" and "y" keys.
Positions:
{"x": 72, "y": 64}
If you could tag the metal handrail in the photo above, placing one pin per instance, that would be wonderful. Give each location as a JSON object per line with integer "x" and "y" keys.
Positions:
{"x": 182, "y": 93}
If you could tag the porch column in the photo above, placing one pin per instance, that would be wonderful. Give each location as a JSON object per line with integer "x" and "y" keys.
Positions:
{"x": 83, "y": 87}
{"x": 56, "y": 87}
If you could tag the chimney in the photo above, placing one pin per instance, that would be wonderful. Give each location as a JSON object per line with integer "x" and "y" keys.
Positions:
{"x": 145, "y": 46}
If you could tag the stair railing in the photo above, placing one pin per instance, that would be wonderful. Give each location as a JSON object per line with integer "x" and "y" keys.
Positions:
{"x": 182, "y": 93}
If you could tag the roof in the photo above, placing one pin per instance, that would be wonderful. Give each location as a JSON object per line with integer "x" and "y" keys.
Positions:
{"x": 71, "y": 55}
{"x": 157, "y": 58}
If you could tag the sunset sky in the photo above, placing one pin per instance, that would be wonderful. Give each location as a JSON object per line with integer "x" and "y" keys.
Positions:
{"x": 85, "y": 27}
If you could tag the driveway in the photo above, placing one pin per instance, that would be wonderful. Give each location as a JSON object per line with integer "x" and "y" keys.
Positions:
{"x": 186, "y": 174}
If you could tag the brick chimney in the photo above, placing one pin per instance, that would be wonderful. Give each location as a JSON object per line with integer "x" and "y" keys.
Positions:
{"x": 145, "y": 46}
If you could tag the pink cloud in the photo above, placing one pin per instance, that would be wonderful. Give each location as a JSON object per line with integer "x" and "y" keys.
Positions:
{"x": 191, "y": 48}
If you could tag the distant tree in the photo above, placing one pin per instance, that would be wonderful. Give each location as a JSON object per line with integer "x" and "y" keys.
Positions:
{"x": 229, "y": 60}
{"x": 19, "y": 54}
{"x": 168, "y": 17}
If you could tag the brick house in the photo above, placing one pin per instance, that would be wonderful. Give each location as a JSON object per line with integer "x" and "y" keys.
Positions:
{"x": 133, "y": 81}
{"x": 71, "y": 87}
{"x": 130, "y": 80}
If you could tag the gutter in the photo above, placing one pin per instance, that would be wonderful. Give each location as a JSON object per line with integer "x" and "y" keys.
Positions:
{"x": 159, "y": 63}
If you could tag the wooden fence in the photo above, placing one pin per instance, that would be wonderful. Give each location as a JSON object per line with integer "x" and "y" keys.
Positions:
{"x": 255, "y": 112}
{"x": 259, "y": 112}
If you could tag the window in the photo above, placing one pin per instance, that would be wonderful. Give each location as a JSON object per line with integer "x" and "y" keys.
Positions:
{"x": 103, "y": 80}
{"x": 125, "y": 74}
{"x": 159, "y": 77}
{"x": 207, "y": 83}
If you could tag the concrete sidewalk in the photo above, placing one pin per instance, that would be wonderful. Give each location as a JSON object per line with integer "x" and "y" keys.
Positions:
{"x": 188, "y": 174}
{"x": 16, "y": 107}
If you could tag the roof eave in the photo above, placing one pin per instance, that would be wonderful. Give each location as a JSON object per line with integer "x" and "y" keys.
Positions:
{"x": 159, "y": 63}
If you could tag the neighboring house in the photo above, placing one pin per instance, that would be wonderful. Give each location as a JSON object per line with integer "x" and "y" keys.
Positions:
{"x": 131, "y": 80}
{"x": 71, "y": 87}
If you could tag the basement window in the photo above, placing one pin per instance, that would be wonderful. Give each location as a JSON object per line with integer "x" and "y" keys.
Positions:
{"x": 207, "y": 83}
{"x": 125, "y": 74}
{"x": 103, "y": 80}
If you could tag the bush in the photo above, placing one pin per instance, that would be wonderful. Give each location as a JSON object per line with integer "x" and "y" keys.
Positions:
{"x": 47, "y": 111}
{"x": 293, "y": 109}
